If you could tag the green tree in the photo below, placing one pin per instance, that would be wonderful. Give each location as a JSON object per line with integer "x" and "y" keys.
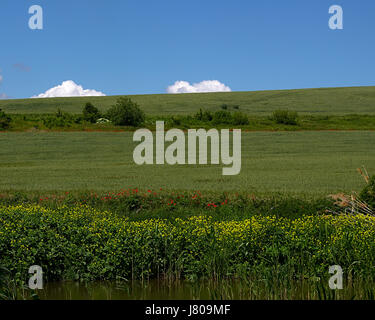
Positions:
{"x": 91, "y": 113}
{"x": 4, "y": 120}
{"x": 126, "y": 113}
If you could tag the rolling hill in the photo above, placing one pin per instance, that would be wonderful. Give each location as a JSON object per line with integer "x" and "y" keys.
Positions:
{"x": 339, "y": 101}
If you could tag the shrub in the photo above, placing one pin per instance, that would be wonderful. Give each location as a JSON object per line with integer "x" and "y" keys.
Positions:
{"x": 78, "y": 120}
{"x": 222, "y": 117}
{"x": 207, "y": 116}
{"x": 240, "y": 119}
{"x": 176, "y": 121}
{"x": 91, "y": 113}
{"x": 4, "y": 120}
{"x": 285, "y": 117}
{"x": 60, "y": 120}
{"x": 368, "y": 193}
{"x": 199, "y": 115}
{"x": 126, "y": 113}
{"x": 229, "y": 106}
{"x": 203, "y": 115}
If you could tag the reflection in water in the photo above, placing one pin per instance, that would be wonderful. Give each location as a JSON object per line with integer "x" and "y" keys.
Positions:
{"x": 204, "y": 290}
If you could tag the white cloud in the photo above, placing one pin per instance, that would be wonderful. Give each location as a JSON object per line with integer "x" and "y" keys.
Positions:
{"x": 204, "y": 86}
{"x": 2, "y": 95}
{"x": 69, "y": 89}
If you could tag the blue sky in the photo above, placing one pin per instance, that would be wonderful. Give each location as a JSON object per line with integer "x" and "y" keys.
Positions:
{"x": 142, "y": 47}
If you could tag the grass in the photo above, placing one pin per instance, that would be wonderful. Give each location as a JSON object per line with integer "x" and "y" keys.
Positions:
{"x": 139, "y": 205}
{"x": 311, "y": 163}
{"x": 325, "y": 101}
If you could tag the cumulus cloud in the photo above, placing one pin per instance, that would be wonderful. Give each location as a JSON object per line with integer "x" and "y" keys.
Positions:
{"x": 2, "y": 95}
{"x": 204, "y": 86}
{"x": 69, "y": 89}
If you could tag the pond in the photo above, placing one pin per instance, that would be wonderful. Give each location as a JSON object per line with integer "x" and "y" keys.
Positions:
{"x": 204, "y": 290}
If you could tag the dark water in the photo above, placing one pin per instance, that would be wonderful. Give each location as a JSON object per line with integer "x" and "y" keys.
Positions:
{"x": 207, "y": 290}
{"x": 137, "y": 290}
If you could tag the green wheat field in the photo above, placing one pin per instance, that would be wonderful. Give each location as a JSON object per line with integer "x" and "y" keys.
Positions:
{"x": 314, "y": 163}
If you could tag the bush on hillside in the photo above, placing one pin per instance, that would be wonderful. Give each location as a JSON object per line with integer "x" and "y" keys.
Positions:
{"x": 285, "y": 117}
{"x": 240, "y": 119}
{"x": 59, "y": 120}
{"x": 222, "y": 117}
{"x": 91, "y": 113}
{"x": 126, "y": 113}
{"x": 4, "y": 120}
{"x": 176, "y": 121}
{"x": 203, "y": 115}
